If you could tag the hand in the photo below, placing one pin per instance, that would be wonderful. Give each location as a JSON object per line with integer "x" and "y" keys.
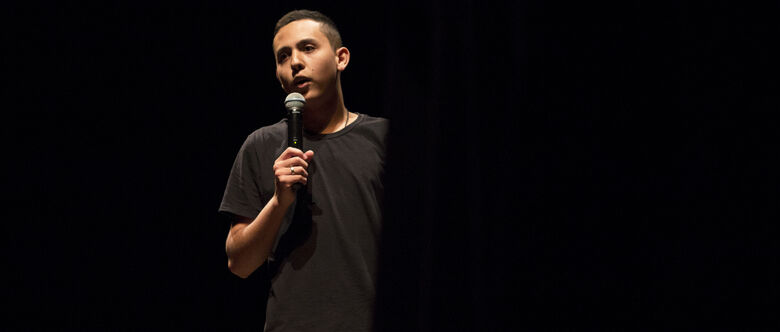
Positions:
{"x": 289, "y": 169}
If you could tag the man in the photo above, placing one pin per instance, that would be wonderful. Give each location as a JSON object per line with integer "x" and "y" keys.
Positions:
{"x": 319, "y": 242}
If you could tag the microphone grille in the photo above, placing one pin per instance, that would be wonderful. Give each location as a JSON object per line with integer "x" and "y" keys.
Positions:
{"x": 294, "y": 100}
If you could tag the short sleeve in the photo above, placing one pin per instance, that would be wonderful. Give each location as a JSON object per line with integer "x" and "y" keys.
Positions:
{"x": 243, "y": 195}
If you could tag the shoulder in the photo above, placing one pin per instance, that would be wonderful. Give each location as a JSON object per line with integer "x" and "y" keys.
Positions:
{"x": 264, "y": 141}
{"x": 268, "y": 134}
{"x": 373, "y": 121}
{"x": 373, "y": 126}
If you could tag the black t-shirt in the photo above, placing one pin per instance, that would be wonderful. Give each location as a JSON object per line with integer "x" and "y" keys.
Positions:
{"x": 323, "y": 269}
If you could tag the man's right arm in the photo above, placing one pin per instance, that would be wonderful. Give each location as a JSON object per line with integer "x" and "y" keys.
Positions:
{"x": 250, "y": 241}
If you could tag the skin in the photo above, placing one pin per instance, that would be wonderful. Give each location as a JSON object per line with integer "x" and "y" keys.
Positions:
{"x": 301, "y": 50}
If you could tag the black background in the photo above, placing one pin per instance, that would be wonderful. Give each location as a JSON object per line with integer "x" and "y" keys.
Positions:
{"x": 551, "y": 163}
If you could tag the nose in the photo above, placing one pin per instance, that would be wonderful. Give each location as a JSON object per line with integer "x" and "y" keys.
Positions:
{"x": 296, "y": 62}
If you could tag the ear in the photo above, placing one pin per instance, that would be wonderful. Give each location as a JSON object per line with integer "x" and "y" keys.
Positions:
{"x": 342, "y": 58}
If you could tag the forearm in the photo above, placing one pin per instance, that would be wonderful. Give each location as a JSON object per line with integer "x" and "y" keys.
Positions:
{"x": 249, "y": 244}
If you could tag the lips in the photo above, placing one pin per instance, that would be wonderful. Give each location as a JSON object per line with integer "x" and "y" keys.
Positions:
{"x": 301, "y": 81}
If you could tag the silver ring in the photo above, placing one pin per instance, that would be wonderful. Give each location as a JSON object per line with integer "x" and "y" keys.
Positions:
{"x": 292, "y": 170}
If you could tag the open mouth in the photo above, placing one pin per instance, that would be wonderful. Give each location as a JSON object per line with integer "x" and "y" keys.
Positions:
{"x": 301, "y": 82}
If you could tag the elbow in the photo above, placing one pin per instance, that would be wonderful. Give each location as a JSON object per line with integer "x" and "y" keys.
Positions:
{"x": 237, "y": 270}
{"x": 234, "y": 265}
{"x": 242, "y": 262}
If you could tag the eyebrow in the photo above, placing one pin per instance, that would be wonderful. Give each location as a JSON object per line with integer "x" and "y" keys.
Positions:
{"x": 298, "y": 44}
{"x": 306, "y": 41}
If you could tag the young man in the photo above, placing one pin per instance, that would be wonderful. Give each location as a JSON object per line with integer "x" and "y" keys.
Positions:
{"x": 320, "y": 242}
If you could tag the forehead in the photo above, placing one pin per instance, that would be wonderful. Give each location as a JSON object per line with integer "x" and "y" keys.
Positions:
{"x": 298, "y": 30}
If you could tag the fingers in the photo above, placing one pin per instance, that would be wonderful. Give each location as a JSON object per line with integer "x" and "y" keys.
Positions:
{"x": 294, "y": 152}
{"x": 292, "y": 157}
{"x": 288, "y": 181}
{"x": 294, "y": 161}
{"x": 290, "y": 152}
{"x": 291, "y": 170}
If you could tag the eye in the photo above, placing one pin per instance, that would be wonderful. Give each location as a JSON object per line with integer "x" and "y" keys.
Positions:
{"x": 309, "y": 48}
{"x": 281, "y": 57}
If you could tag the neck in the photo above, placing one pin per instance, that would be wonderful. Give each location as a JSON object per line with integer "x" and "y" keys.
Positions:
{"x": 326, "y": 116}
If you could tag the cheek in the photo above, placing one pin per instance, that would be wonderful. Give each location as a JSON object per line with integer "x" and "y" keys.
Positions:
{"x": 282, "y": 71}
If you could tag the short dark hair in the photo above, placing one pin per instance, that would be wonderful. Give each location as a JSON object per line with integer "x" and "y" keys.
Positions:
{"x": 327, "y": 26}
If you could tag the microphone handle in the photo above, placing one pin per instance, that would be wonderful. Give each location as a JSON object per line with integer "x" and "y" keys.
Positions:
{"x": 295, "y": 134}
{"x": 295, "y": 129}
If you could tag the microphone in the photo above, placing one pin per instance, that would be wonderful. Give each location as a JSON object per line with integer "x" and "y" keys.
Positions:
{"x": 294, "y": 105}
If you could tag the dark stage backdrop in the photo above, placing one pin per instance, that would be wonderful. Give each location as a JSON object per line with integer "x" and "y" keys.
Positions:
{"x": 551, "y": 164}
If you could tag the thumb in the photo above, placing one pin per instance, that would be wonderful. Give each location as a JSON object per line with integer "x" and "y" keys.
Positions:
{"x": 308, "y": 155}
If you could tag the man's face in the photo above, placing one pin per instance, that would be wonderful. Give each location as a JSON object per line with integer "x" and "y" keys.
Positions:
{"x": 305, "y": 61}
